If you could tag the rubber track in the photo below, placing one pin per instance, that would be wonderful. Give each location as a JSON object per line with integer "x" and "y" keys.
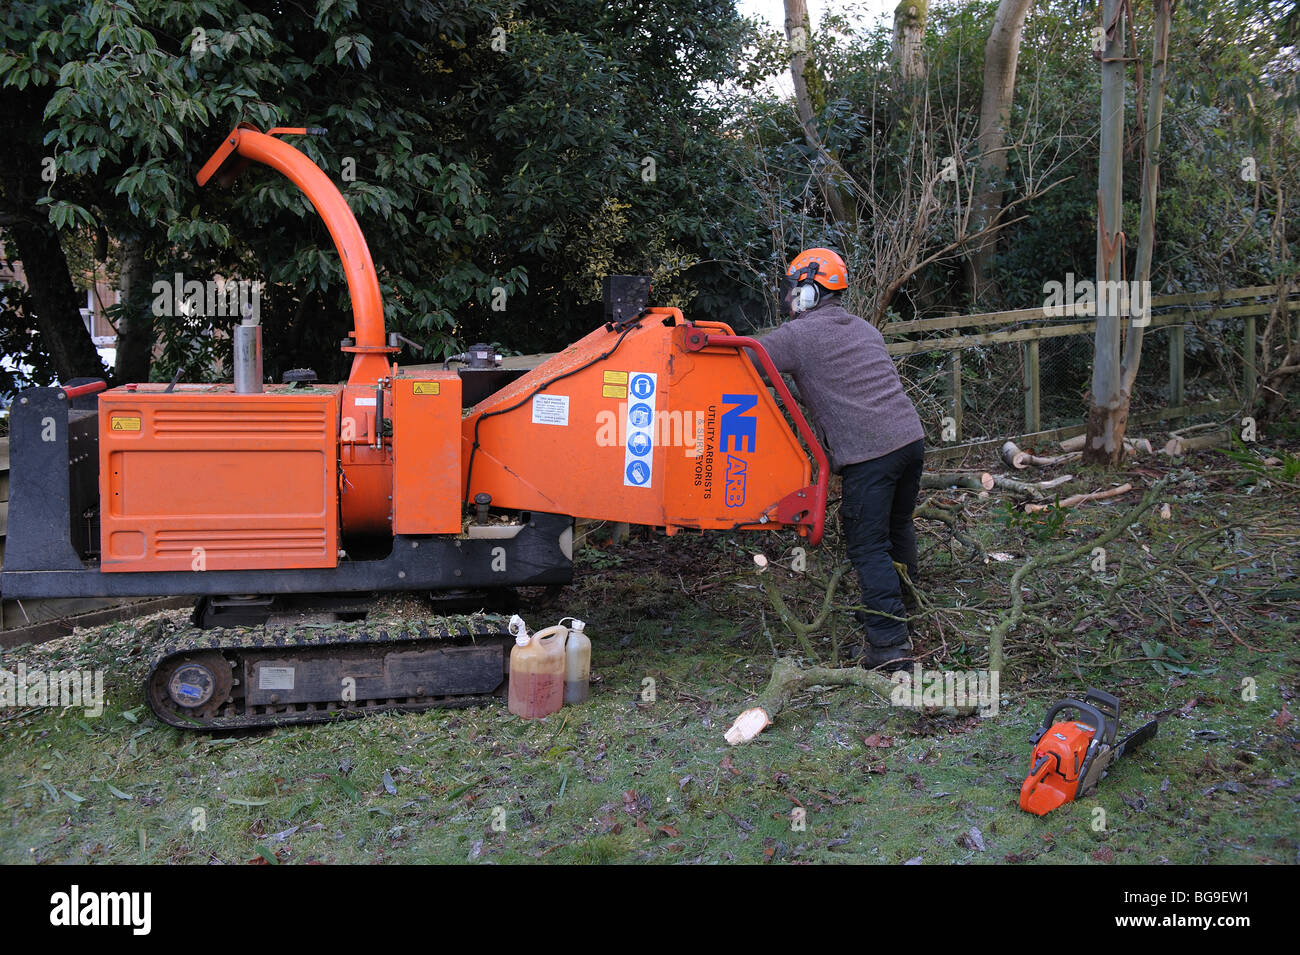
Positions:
{"x": 459, "y": 629}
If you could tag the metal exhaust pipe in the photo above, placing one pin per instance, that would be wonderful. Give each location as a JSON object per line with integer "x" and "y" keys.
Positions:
{"x": 248, "y": 359}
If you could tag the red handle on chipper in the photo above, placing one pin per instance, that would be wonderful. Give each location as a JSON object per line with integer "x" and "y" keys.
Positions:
{"x": 90, "y": 388}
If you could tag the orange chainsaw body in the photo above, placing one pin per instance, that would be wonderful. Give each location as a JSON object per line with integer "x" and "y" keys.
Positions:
{"x": 1059, "y": 759}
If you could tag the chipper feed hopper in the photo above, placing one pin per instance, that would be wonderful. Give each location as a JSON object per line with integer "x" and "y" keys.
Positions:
{"x": 248, "y": 495}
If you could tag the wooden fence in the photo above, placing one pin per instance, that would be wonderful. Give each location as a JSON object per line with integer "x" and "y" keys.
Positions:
{"x": 955, "y": 333}
{"x": 1173, "y": 311}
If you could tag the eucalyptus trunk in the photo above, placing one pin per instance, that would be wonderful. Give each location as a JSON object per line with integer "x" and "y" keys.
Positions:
{"x": 1164, "y": 10}
{"x": 908, "y": 51}
{"x": 135, "y": 331}
{"x": 1108, "y": 414}
{"x": 1113, "y": 376}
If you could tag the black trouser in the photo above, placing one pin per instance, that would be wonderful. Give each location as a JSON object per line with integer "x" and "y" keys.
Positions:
{"x": 876, "y": 517}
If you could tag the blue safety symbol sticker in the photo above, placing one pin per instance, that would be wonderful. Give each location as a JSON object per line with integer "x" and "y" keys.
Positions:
{"x": 637, "y": 429}
{"x": 642, "y": 386}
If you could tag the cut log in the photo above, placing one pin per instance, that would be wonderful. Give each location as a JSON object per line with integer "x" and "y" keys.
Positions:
{"x": 1194, "y": 429}
{"x": 747, "y": 726}
{"x": 1077, "y": 499}
{"x": 1020, "y": 460}
{"x": 982, "y": 481}
{"x": 1029, "y": 488}
{"x": 788, "y": 679}
{"x": 1179, "y": 445}
{"x": 1132, "y": 446}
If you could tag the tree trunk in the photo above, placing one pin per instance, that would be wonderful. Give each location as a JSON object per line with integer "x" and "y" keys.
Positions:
{"x": 135, "y": 338}
{"x": 909, "y": 39}
{"x": 1164, "y": 10}
{"x": 1108, "y": 414}
{"x": 1113, "y": 390}
{"x": 798, "y": 30}
{"x": 1001, "y": 55}
{"x": 55, "y": 302}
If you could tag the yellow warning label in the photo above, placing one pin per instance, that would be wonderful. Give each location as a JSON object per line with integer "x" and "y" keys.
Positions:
{"x": 123, "y": 423}
{"x": 424, "y": 387}
{"x": 615, "y": 391}
{"x": 616, "y": 378}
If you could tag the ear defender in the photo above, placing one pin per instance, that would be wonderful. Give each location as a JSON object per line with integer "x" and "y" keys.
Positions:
{"x": 809, "y": 296}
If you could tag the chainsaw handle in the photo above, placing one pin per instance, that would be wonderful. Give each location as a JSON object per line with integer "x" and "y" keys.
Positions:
{"x": 1036, "y": 774}
{"x": 1109, "y": 707}
{"x": 1099, "y": 721}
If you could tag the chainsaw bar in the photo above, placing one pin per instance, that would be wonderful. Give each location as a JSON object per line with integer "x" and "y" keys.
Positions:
{"x": 1136, "y": 738}
{"x": 1107, "y": 755}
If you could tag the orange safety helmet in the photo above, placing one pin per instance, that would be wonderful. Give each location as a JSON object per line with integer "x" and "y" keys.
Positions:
{"x": 822, "y": 266}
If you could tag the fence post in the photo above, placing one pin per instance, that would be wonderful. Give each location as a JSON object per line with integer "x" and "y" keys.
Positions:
{"x": 1250, "y": 380}
{"x": 1176, "y": 369}
{"x": 1033, "y": 416}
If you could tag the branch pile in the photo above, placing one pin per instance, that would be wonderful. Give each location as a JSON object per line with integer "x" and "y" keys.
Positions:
{"x": 789, "y": 678}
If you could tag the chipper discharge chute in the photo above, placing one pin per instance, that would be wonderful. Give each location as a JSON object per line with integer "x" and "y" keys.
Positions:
{"x": 256, "y": 497}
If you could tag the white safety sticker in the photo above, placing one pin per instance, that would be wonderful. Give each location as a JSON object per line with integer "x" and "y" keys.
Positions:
{"x": 275, "y": 678}
{"x": 551, "y": 409}
{"x": 364, "y": 402}
{"x": 639, "y": 454}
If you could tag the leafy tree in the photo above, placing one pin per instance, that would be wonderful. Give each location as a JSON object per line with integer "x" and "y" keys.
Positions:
{"x": 526, "y": 147}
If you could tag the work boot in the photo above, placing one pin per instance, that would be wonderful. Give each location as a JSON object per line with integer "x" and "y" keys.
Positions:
{"x": 890, "y": 647}
{"x": 896, "y": 656}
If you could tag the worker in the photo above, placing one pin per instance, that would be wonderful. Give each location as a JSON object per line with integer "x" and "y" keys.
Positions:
{"x": 871, "y": 432}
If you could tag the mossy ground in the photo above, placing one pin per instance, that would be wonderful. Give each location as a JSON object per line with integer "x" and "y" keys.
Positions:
{"x": 623, "y": 779}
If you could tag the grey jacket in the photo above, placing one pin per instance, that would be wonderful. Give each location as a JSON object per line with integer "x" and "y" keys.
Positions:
{"x": 847, "y": 381}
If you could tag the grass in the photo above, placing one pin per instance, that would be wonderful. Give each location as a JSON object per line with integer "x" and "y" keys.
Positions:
{"x": 635, "y": 776}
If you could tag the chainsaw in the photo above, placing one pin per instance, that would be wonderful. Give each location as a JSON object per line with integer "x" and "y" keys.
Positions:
{"x": 1071, "y": 757}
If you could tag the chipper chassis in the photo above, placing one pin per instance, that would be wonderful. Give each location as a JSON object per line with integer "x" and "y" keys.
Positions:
{"x": 250, "y": 495}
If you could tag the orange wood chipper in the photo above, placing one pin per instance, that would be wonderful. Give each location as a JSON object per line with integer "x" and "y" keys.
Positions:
{"x": 253, "y": 497}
